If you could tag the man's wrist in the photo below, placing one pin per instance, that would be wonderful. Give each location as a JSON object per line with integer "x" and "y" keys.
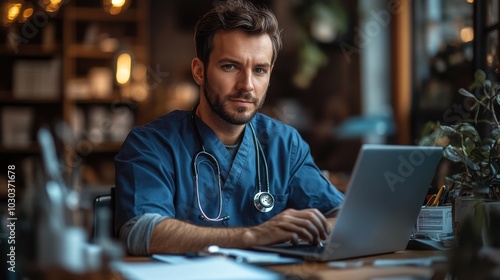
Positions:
{"x": 248, "y": 237}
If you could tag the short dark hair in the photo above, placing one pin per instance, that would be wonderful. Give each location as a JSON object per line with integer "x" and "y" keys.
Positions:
{"x": 235, "y": 15}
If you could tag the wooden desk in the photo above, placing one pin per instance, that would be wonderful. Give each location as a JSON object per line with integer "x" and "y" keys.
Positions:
{"x": 320, "y": 270}
{"x": 312, "y": 270}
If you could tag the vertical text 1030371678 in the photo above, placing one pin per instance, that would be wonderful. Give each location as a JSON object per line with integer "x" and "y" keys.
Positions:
{"x": 11, "y": 218}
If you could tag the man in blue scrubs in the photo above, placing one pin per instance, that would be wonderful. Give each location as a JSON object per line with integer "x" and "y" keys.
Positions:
{"x": 222, "y": 174}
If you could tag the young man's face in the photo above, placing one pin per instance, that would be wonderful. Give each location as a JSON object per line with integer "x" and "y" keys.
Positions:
{"x": 237, "y": 75}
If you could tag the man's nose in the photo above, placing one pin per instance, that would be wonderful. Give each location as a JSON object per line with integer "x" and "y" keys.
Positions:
{"x": 245, "y": 82}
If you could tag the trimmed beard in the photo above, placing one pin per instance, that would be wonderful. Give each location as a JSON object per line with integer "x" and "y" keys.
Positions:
{"x": 216, "y": 104}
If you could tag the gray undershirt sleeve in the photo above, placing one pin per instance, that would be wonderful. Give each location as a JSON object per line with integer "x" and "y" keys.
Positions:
{"x": 136, "y": 233}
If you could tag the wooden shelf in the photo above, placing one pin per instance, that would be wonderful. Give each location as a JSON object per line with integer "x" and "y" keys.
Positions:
{"x": 32, "y": 149}
{"x": 5, "y": 99}
{"x": 83, "y": 51}
{"x": 98, "y": 14}
{"x": 101, "y": 148}
{"x": 105, "y": 147}
{"x": 71, "y": 29}
{"x": 98, "y": 101}
{"x": 31, "y": 50}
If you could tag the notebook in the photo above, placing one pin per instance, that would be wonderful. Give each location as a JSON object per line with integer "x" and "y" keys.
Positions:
{"x": 383, "y": 199}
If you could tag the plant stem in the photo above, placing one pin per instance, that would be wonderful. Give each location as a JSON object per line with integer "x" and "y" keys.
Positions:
{"x": 492, "y": 105}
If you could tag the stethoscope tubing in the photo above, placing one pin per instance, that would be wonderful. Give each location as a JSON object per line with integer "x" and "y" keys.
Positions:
{"x": 257, "y": 199}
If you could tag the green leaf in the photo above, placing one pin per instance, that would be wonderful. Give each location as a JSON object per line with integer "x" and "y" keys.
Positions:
{"x": 468, "y": 130}
{"x": 469, "y": 146}
{"x": 480, "y": 76}
{"x": 466, "y": 93}
{"x": 446, "y": 130}
{"x": 480, "y": 155}
{"x": 487, "y": 86}
{"x": 457, "y": 177}
{"x": 472, "y": 165}
{"x": 427, "y": 141}
{"x": 495, "y": 133}
{"x": 493, "y": 169}
{"x": 429, "y": 127}
{"x": 450, "y": 153}
{"x": 487, "y": 144}
{"x": 479, "y": 80}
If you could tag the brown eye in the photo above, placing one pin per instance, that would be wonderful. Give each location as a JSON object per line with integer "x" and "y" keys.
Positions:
{"x": 228, "y": 67}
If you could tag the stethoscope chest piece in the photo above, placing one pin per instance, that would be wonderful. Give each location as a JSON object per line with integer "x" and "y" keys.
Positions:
{"x": 263, "y": 201}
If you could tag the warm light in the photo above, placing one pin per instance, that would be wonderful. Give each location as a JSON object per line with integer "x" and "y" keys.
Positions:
{"x": 123, "y": 68}
{"x": 51, "y": 8}
{"x": 489, "y": 60}
{"x": 27, "y": 13}
{"x": 470, "y": 1}
{"x": 118, "y": 3}
{"x": 13, "y": 11}
{"x": 115, "y": 7}
{"x": 467, "y": 34}
{"x": 115, "y": 10}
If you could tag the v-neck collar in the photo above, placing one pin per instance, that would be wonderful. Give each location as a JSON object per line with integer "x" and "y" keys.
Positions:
{"x": 231, "y": 169}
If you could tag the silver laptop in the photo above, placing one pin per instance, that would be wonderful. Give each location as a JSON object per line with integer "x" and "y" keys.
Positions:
{"x": 387, "y": 189}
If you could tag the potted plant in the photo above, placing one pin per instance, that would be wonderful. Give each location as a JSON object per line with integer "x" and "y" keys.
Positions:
{"x": 472, "y": 144}
{"x": 471, "y": 147}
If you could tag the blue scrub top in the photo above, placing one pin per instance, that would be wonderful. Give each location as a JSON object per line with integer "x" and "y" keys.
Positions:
{"x": 154, "y": 173}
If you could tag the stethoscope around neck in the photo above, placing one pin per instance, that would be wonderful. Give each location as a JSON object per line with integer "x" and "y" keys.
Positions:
{"x": 263, "y": 200}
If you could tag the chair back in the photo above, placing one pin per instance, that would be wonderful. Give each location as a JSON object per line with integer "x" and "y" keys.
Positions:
{"x": 103, "y": 216}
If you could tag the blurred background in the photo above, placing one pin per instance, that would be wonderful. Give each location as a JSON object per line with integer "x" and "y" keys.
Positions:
{"x": 351, "y": 72}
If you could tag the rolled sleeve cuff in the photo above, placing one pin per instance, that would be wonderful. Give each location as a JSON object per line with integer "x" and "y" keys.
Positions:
{"x": 136, "y": 233}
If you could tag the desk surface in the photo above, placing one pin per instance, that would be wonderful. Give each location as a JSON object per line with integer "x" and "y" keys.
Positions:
{"x": 321, "y": 270}
{"x": 311, "y": 270}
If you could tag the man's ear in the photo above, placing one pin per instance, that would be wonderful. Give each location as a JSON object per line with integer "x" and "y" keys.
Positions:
{"x": 197, "y": 70}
